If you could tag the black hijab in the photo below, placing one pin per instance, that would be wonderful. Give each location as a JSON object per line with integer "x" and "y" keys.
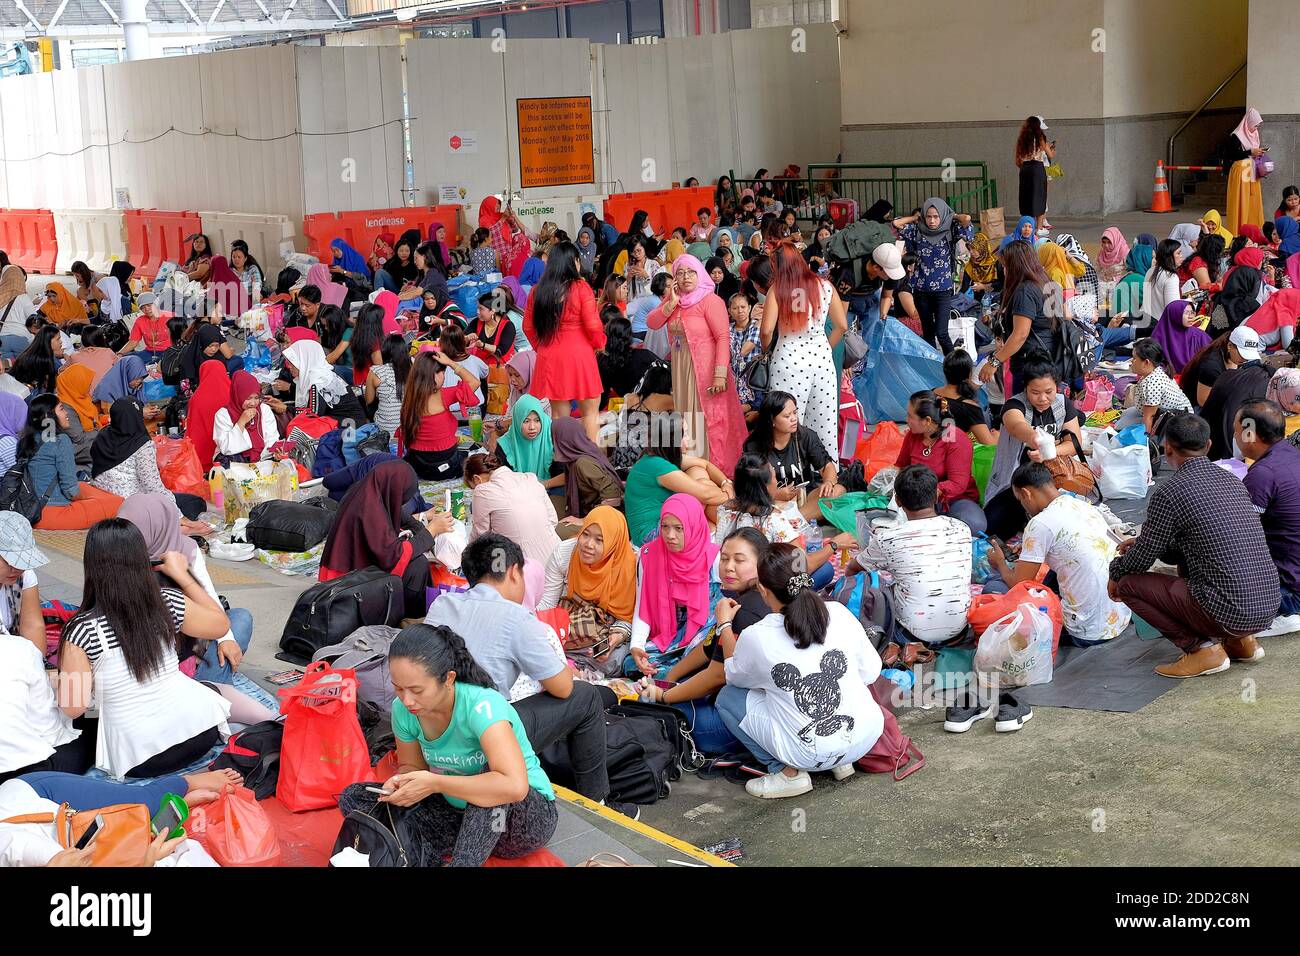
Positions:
{"x": 1240, "y": 295}
{"x": 879, "y": 212}
{"x": 125, "y": 435}
{"x": 205, "y": 335}
{"x": 729, "y": 285}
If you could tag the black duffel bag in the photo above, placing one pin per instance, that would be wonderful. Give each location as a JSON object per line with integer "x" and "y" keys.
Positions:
{"x": 288, "y": 526}
{"x": 328, "y": 612}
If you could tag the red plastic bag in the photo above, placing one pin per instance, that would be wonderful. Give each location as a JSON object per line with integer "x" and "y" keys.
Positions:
{"x": 879, "y": 449}
{"x": 178, "y": 464}
{"x": 988, "y": 608}
{"x": 235, "y": 831}
{"x": 324, "y": 750}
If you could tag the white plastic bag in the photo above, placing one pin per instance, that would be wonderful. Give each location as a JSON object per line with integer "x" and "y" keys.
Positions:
{"x": 1016, "y": 650}
{"x": 447, "y": 547}
{"x": 1123, "y": 472}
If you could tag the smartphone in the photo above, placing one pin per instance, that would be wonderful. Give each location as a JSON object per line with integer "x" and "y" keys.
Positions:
{"x": 90, "y": 831}
{"x": 170, "y": 816}
{"x": 380, "y": 790}
{"x": 665, "y": 684}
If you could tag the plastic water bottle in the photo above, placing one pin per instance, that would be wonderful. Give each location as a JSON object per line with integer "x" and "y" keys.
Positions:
{"x": 217, "y": 489}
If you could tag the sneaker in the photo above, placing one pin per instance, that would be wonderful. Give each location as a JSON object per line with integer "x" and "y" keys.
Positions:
{"x": 1282, "y": 624}
{"x": 1201, "y": 663}
{"x": 1012, "y": 715}
{"x": 958, "y": 720}
{"x": 1243, "y": 649}
{"x": 772, "y": 786}
{"x": 630, "y": 810}
{"x": 842, "y": 772}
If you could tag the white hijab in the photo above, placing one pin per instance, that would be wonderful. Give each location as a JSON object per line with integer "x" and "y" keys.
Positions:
{"x": 112, "y": 290}
{"x": 314, "y": 371}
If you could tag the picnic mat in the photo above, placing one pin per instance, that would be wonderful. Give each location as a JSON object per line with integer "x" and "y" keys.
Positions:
{"x": 1116, "y": 677}
{"x": 73, "y": 544}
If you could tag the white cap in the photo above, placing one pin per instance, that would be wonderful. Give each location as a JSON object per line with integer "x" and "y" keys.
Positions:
{"x": 1247, "y": 341}
{"x": 888, "y": 256}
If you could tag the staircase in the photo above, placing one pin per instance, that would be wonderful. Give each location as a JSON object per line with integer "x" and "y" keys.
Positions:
{"x": 1208, "y": 190}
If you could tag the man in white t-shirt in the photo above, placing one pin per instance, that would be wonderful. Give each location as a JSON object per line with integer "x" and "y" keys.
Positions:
{"x": 929, "y": 558}
{"x": 1070, "y": 536}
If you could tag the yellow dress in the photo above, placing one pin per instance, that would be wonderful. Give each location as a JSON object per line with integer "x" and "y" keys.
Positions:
{"x": 1245, "y": 200}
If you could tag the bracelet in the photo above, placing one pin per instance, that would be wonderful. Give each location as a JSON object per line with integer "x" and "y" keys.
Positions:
{"x": 722, "y": 624}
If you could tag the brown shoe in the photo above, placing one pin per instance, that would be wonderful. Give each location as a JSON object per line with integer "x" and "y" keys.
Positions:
{"x": 1208, "y": 660}
{"x": 1243, "y": 649}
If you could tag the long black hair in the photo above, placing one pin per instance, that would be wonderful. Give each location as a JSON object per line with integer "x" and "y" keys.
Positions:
{"x": 120, "y": 584}
{"x": 37, "y": 366}
{"x": 242, "y": 246}
{"x": 368, "y": 336}
{"x": 1165, "y": 256}
{"x": 762, "y": 434}
{"x": 752, "y": 476}
{"x": 664, "y": 437}
{"x": 1210, "y": 248}
{"x": 432, "y": 255}
{"x": 439, "y": 651}
{"x": 40, "y": 420}
{"x": 806, "y": 617}
{"x": 552, "y": 291}
{"x": 618, "y": 344}
{"x": 207, "y": 248}
{"x": 397, "y": 354}
{"x": 957, "y": 369}
{"x": 330, "y": 326}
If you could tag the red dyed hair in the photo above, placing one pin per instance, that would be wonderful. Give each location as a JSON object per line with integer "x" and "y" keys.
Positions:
{"x": 795, "y": 288}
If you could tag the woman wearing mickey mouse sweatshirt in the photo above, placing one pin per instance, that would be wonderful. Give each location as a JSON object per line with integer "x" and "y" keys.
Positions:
{"x": 798, "y": 692}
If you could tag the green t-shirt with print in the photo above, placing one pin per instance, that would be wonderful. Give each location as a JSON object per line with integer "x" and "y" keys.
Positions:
{"x": 458, "y": 751}
{"x": 644, "y": 497}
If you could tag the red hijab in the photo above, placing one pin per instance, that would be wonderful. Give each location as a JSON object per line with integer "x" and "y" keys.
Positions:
{"x": 669, "y": 578}
{"x": 242, "y": 387}
{"x": 226, "y": 288}
{"x": 365, "y": 532}
{"x": 212, "y": 394}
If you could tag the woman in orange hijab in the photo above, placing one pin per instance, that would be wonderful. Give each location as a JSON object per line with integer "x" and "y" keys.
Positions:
{"x": 73, "y": 388}
{"x": 602, "y": 570}
{"x": 62, "y": 306}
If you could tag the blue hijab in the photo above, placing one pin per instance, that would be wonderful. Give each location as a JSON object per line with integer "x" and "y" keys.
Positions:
{"x": 116, "y": 382}
{"x": 351, "y": 260}
{"x": 1139, "y": 259}
{"x": 1289, "y": 234}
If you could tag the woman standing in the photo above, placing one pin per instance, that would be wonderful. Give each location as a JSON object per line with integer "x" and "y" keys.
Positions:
{"x": 803, "y": 362}
{"x": 561, "y": 322}
{"x": 1245, "y": 200}
{"x": 932, "y": 237}
{"x": 700, "y": 331}
{"x": 1033, "y": 154}
{"x": 1021, "y": 324}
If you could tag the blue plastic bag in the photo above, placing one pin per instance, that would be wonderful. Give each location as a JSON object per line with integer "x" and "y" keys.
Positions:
{"x": 156, "y": 390}
{"x": 898, "y": 363}
{"x": 256, "y": 356}
{"x": 1133, "y": 435}
{"x": 981, "y": 571}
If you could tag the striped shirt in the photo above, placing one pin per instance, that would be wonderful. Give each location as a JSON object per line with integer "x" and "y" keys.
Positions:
{"x": 81, "y": 632}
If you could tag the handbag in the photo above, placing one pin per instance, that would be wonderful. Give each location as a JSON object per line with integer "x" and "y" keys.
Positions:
{"x": 18, "y": 495}
{"x": 123, "y": 837}
{"x": 589, "y": 628}
{"x": 855, "y": 347}
{"x": 758, "y": 373}
{"x": 1070, "y": 474}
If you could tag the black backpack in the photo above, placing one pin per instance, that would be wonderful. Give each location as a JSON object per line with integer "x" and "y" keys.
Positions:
{"x": 170, "y": 363}
{"x": 255, "y": 753}
{"x": 1073, "y": 355}
{"x": 19, "y": 495}
{"x": 328, "y": 612}
{"x": 289, "y": 525}
{"x": 385, "y": 837}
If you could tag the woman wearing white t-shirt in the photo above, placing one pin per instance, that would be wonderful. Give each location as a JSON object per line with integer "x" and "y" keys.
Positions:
{"x": 798, "y": 692}
{"x": 153, "y": 720}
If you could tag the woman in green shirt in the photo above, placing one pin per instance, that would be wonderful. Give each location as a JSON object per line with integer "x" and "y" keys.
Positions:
{"x": 466, "y": 772}
{"x": 663, "y": 471}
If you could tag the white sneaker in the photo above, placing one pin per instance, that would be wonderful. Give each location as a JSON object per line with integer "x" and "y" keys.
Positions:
{"x": 1285, "y": 624}
{"x": 772, "y": 786}
{"x": 843, "y": 772}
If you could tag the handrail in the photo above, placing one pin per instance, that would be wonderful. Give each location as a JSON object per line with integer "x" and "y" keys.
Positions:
{"x": 1198, "y": 111}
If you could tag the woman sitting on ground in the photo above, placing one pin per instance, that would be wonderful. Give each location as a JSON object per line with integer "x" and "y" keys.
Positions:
{"x": 589, "y": 479}
{"x": 428, "y": 431}
{"x": 771, "y": 675}
{"x": 677, "y": 590}
{"x": 124, "y": 461}
{"x": 466, "y": 772}
{"x": 37, "y": 366}
{"x": 511, "y": 503}
{"x": 386, "y": 384}
{"x": 1039, "y": 406}
{"x": 13, "y": 418}
{"x": 700, "y": 674}
{"x": 652, "y": 398}
{"x": 153, "y": 719}
{"x": 70, "y": 505}
{"x": 621, "y": 364}
{"x": 73, "y": 389}
{"x": 663, "y": 471}
{"x": 244, "y": 429}
{"x": 454, "y": 345}
{"x": 124, "y": 380}
{"x": 947, "y": 451}
{"x": 205, "y": 342}
{"x": 957, "y": 398}
{"x": 525, "y": 442}
{"x": 317, "y": 386}
{"x": 491, "y": 336}
{"x": 1204, "y": 369}
{"x": 94, "y": 354}
{"x": 372, "y": 529}
{"x": 805, "y": 473}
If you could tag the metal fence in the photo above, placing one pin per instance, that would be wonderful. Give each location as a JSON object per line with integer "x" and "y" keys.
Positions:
{"x": 965, "y": 186}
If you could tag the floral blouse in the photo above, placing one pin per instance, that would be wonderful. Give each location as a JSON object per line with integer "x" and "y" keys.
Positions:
{"x": 934, "y": 271}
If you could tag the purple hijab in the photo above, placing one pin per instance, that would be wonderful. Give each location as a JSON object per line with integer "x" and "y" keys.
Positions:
{"x": 1179, "y": 342}
{"x": 570, "y": 442}
{"x": 13, "y": 415}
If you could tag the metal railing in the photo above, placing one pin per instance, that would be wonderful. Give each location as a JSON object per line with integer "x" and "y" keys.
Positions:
{"x": 965, "y": 186}
{"x": 1169, "y": 157}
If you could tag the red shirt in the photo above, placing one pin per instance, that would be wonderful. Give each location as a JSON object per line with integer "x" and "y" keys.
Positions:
{"x": 153, "y": 332}
{"x": 438, "y": 431}
{"x": 949, "y": 458}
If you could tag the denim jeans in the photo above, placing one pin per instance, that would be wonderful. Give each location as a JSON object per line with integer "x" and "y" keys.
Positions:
{"x": 209, "y": 668}
{"x": 708, "y": 728}
{"x": 731, "y": 704}
{"x": 968, "y": 513}
{"x": 1290, "y": 603}
{"x": 90, "y": 793}
{"x": 12, "y": 346}
{"x": 1110, "y": 338}
{"x": 384, "y": 281}
{"x": 579, "y": 720}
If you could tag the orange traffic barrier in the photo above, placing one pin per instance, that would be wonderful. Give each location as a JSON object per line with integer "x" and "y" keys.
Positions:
{"x": 1160, "y": 201}
{"x": 27, "y": 235}
{"x": 668, "y": 208}
{"x": 155, "y": 236}
{"x": 360, "y": 229}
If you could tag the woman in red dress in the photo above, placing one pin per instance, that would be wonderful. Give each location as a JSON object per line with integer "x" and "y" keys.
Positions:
{"x": 562, "y": 323}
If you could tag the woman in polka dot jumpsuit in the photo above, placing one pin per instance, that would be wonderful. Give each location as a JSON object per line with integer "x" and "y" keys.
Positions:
{"x": 803, "y": 363}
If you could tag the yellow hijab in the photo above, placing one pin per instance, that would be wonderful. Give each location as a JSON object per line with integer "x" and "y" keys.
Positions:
{"x": 672, "y": 249}
{"x": 1060, "y": 268}
{"x": 64, "y": 307}
{"x": 983, "y": 264}
{"x": 73, "y": 388}
{"x": 1219, "y": 228}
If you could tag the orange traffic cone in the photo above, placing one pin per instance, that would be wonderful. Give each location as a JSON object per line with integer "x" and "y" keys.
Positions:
{"x": 1160, "y": 201}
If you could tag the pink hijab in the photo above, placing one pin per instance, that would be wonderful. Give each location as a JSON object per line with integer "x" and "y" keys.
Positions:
{"x": 705, "y": 286}
{"x": 388, "y": 301}
{"x": 1293, "y": 269}
{"x": 534, "y": 584}
{"x": 331, "y": 292}
{"x": 1247, "y": 130}
{"x": 1119, "y": 249}
{"x": 669, "y": 578}
{"x": 433, "y": 237}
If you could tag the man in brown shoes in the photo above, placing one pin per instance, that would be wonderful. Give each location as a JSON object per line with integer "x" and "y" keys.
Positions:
{"x": 1203, "y": 521}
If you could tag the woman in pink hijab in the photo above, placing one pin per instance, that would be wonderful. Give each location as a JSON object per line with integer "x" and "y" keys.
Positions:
{"x": 331, "y": 292}
{"x": 1245, "y": 201}
{"x": 388, "y": 301}
{"x": 704, "y": 390}
{"x": 1110, "y": 260}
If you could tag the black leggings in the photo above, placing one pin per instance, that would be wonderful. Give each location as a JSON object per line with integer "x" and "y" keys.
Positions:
{"x": 176, "y": 758}
{"x": 436, "y": 465}
{"x": 935, "y": 310}
{"x": 1006, "y": 515}
{"x": 475, "y": 833}
{"x": 74, "y": 757}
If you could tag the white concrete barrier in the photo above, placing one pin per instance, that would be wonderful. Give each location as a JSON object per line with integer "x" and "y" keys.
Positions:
{"x": 268, "y": 236}
{"x": 566, "y": 212}
{"x": 96, "y": 237}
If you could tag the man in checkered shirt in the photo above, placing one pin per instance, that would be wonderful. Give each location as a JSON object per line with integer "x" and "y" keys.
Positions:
{"x": 1202, "y": 520}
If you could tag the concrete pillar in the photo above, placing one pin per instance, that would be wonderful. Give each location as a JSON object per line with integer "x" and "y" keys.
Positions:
{"x": 135, "y": 29}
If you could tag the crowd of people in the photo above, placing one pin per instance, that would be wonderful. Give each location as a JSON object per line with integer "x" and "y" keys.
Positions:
{"x": 661, "y": 444}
